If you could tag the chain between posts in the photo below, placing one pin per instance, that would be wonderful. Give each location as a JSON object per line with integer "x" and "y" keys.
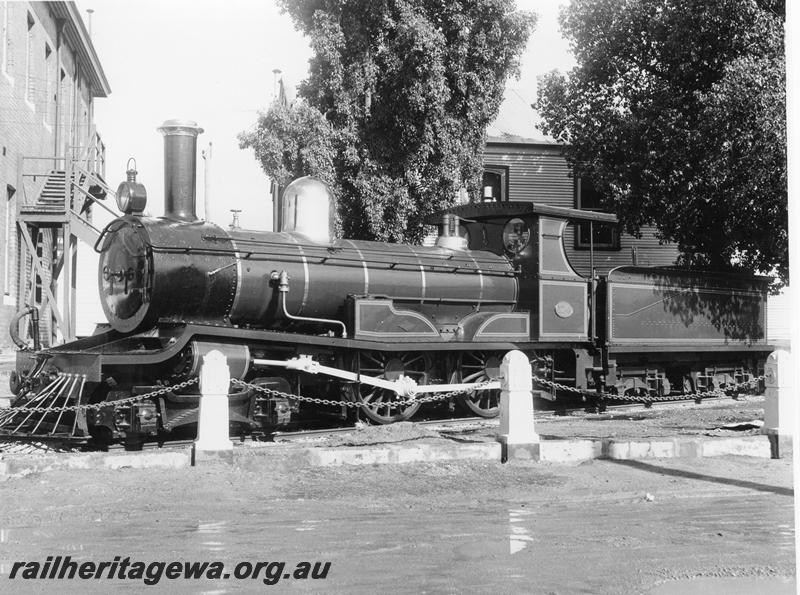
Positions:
{"x": 92, "y": 406}
{"x": 430, "y": 398}
{"x": 716, "y": 392}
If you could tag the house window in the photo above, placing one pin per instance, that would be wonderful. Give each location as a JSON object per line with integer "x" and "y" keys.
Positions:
{"x": 605, "y": 235}
{"x": 29, "y": 85}
{"x": 495, "y": 184}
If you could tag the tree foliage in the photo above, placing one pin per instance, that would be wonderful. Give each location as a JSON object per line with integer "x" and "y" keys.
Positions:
{"x": 395, "y": 107}
{"x": 676, "y": 109}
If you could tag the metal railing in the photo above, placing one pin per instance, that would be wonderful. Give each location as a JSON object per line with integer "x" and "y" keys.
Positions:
{"x": 86, "y": 160}
{"x": 35, "y": 173}
{"x": 90, "y": 156}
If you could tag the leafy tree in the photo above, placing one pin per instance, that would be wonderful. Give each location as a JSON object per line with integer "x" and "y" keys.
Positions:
{"x": 300, "y": 142}
{"x": 395, "y": 107}
{"x": 676, "y": 109}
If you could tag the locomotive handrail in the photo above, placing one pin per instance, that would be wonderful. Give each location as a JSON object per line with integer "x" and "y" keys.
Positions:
{"x": 103, "y": 233}
{"x": 329, "y": 248}
{"x": 332, "y": 249}
{"x": 321, "y": 259}
{"x": 446, "y": 300}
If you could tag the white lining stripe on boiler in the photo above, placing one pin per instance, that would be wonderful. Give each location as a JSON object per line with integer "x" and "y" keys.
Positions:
{"x": 363, "y": 264}
{"x": 480, "y": 276}
{"x": 422, "y": 273}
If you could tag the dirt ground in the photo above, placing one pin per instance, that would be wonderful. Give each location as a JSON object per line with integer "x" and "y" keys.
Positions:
{"x": 661, "y": 526}
{"x": 449, "y": 527}
{"x": 724, "y": 417}
{"x": 714, "y": 418}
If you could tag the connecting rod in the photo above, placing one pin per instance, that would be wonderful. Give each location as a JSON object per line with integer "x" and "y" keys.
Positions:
{"x": 403, "y": 386}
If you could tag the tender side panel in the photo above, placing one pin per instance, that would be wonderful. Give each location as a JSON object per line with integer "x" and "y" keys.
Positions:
{"x": 660, "y": 306}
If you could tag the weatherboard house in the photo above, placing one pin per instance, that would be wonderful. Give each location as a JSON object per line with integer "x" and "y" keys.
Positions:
{"x": 522, "y": 164}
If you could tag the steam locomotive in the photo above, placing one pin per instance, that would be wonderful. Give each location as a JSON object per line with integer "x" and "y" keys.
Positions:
{"x": 376, "y": 315}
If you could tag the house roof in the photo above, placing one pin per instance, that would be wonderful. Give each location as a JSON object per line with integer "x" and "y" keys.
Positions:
{"x": 77, "y": 37}
{"x": 516, "y": 122}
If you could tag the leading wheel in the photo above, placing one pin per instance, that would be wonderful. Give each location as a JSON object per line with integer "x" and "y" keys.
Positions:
{"x": 385, "y": 406}
{"x": 478, "y": 367}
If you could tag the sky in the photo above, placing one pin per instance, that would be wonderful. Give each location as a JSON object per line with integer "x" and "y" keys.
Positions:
{"x": 212, "y": 62}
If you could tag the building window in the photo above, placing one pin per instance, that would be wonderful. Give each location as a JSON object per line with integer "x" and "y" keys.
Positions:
{"x": 7, "y": 58}
{"x": 605, "y": 235}
{"x": 82, "y": 129}
{"x": 65, "y": 126}
{"x": 495, "y": 184}
{"x": 49, "y": 85}
{"x": 9, "y": 227}
{"x": 29, "y": 85}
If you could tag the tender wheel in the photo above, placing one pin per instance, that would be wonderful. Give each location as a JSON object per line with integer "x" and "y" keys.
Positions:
{"x": 378, "y": 404}
{"x": 631, "y": 387}
{"x": 479, "y": 367}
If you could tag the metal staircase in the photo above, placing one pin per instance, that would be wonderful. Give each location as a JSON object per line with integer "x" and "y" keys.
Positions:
{"x": 60, "y": 197}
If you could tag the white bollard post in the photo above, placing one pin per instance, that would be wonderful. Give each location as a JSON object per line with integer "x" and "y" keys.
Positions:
{"x": 779, "y": 410}
{"x": 517, "y": 431}
{"x": 213, "y": 434}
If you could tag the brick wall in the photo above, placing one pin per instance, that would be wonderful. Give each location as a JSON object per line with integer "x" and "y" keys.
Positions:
{"x": 31, "y": 71}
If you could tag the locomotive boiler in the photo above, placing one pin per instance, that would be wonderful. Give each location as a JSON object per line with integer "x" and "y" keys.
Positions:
{"x": 372, "y": 315}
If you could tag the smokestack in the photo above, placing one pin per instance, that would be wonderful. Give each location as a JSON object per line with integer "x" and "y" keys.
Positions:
{"x": 180, "y": 169}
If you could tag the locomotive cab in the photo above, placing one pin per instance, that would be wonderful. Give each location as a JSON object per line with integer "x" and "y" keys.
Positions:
{"x": 530, "y": 236}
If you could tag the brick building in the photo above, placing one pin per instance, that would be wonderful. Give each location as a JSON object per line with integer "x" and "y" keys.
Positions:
{"x": 49, "y": 77}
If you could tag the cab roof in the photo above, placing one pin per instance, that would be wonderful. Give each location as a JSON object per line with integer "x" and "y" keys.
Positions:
{"x": 490, "y": 210}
